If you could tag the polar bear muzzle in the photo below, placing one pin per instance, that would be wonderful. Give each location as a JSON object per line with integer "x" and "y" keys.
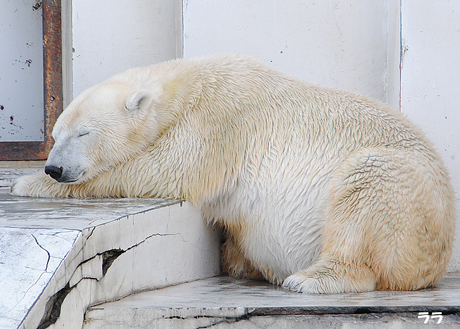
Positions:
{"x": 62, "y": 175}
{"x": 54, "y": 172}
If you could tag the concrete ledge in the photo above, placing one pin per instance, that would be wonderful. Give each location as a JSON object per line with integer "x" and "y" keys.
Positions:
{"x": 11, "y": 170}
{"x": 223, "y": 302}
{"x": 58, "y": 256}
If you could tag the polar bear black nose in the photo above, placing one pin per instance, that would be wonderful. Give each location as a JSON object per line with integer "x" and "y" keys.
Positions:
{"x": 54, "y": 172}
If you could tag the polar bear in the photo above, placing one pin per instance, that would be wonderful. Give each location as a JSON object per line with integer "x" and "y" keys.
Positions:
{"x": 320, "y": 190}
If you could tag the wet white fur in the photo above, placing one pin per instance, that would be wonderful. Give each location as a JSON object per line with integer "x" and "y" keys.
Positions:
{"x": 331, "y": 190}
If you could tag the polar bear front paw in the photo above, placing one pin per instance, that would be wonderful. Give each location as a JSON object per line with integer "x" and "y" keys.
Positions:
{"x": 306, "y": 282}
{"x": 36, "y": 185}
{"x": 294, "y": 282}
{"x": 331, "y": 279}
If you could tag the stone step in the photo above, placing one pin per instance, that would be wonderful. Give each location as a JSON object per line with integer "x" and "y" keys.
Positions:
{"x": 58, "y": 256}
{"x": 222, "y": 302}
{"x": 11, "y": 170}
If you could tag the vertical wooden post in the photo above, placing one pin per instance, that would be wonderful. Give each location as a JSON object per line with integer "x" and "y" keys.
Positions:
{"x": 52, "y": 63}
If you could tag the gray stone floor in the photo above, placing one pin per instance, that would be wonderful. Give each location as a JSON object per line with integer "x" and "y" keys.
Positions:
{"x": 264, "y": 298}
{"x": 222, "y": 302}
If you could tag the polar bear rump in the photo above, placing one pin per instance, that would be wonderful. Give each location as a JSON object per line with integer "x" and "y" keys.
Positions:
{"x": 320, "y": 190}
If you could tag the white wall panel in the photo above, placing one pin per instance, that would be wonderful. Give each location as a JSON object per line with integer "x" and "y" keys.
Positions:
{"x": 110, "y": 36}
{"x": 336, "y": 43}
{"x": 430, "y": 83}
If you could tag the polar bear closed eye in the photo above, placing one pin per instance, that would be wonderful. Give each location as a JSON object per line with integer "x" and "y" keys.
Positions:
{"x": 103, "y": 127}
{"x": 320, "y": 190}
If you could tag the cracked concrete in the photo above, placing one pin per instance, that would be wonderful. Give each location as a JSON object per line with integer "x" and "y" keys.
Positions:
{"x": 26, "y": 268}
{"x": 95, "y": 251}
{"x": 223, "y": 302}
{"x": 47, "y": 252}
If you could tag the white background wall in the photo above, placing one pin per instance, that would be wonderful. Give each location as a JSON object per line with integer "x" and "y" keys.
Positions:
{"x": 336, "y": 43}
{"x": 109, "y": 36}
{"x": 430, "y": 80}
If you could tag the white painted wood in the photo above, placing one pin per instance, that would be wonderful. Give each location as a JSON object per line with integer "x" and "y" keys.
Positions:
{"x": 21, "y": 72}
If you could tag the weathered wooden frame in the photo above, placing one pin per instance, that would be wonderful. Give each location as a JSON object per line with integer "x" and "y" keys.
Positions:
{"x": 53, "y": 88}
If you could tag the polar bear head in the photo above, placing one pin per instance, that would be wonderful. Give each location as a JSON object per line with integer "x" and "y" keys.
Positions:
{"x": 104, "y": 126}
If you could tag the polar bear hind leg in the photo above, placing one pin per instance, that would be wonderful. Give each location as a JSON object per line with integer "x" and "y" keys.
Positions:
{"x": 235, "y": 264}
{"x": 388, "y": 226}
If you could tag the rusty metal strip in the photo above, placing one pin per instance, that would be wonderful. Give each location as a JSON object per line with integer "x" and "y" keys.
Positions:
{"x": 52, "y": 66}
{"x": 52, "y": 60}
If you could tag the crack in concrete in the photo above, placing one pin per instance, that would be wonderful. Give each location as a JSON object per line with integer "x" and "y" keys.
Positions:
{"x": 53, "y": 306}
{"x": 27, "y": 291}
{"x": 108, "y": 257}
{"x": 229, "y": 320}
{"x": 249, "y": 312}
{"x": 91, "y": 233}
{"x": 217, "y": 323}
{"x": 154, "y": 235}
{"x": 58, "y": 235}
{"x": 82, "y": 279}
{"x": 154, "y": 322}
{"x": 47, "y": 252}
{"x": 219, "y": 320}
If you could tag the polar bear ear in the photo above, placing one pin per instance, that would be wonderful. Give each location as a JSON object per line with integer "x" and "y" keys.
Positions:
{"x": 139, "y": 102}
